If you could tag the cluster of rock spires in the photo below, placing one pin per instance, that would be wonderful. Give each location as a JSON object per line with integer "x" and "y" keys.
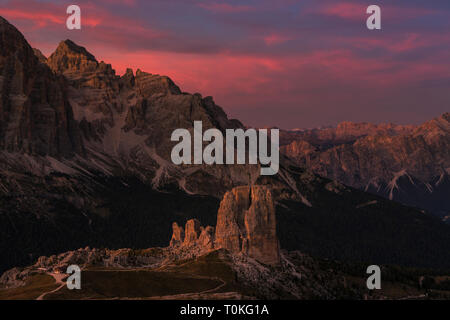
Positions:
{"x": 246, "y": 224}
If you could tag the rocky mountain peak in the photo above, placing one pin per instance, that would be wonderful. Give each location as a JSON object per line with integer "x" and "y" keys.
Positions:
{"x": 70, "y": 46}
{"x": 439, "y": 126}
{"x": 69, "y": 56}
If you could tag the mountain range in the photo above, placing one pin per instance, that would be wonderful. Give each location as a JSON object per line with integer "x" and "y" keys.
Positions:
{"x": 408, "y": 164}
{"x": 85, "y": 161}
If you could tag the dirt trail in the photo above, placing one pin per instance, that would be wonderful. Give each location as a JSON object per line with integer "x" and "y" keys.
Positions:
{"x": 216, "y": 288}
{"x": 58, "y": 279}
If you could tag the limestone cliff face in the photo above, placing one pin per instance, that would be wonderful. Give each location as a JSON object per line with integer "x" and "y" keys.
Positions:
{"x": 245, "y": 224}
{"x": 230, "y": 228}
{"x": 35, "y": 116}
{"x": 261, "y": 240}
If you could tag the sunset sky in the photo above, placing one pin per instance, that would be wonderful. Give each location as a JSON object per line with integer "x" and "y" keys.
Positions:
{"x": 286, "y": 63}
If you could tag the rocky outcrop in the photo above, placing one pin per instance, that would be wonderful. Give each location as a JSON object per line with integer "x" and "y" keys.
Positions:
{"x": 245, "y": 224}
{"x": 14, "y": 277}
{"x": 194, "y": 235}
{"x": 101, "y": 257}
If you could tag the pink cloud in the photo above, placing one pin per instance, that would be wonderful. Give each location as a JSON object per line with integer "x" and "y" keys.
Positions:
{"x": 345, "y": 10}
{"x": 278, "y": 77}
{"x": 130, "y": 3}
{"x": 44, "y": 17}
{"x": 355, "y": 11}
{"x": 98, "y": 24}
{"x": 249, "y": 79}
{"x": 274, "y": 39}
{"x": 398, "y": 44}
{"x": 224, "y": 7}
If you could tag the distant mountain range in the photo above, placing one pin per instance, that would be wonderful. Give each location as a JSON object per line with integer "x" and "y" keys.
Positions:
{"x": 85, "y": 161}
{"x": 408, "y": 164}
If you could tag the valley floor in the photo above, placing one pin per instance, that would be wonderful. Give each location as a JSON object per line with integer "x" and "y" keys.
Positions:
{"x": 214, "y": 276}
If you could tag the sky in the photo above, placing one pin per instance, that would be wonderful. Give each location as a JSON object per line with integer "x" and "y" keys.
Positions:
{"x": 284, "y": 63}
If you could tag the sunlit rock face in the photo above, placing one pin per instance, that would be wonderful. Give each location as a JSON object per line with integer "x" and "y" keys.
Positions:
{"x": 246, "y": 223}
{"x": 177, "y": 235}
{"x": 192, "y": 232}
{"x": 230, "y": 228}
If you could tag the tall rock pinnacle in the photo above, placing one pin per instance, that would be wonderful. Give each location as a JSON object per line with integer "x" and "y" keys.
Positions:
{"x": 246, "y": 223}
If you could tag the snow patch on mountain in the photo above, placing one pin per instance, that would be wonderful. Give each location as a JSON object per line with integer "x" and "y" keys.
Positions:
{"x": 393, "y": 184}
{"x": 288, "y": 179}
